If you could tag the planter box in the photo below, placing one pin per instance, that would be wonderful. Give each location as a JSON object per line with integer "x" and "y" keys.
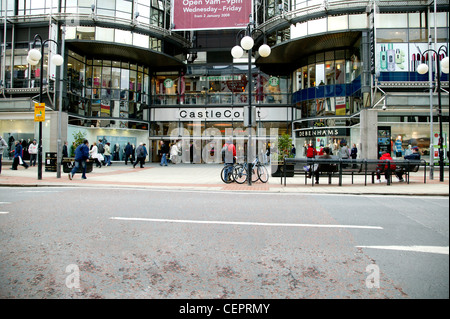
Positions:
{"x": 277, "y": 170}
{"x": 68, "y": 163}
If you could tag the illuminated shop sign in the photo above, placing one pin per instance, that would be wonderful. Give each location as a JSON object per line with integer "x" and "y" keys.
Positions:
{"x": 323, "y": 132}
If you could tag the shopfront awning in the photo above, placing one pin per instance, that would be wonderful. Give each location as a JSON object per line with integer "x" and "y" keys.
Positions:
{"x": 157, "y": 61}
{"x": 288, "y": 56}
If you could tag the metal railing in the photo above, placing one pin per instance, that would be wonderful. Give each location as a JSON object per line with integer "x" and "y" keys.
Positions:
{"x": 353, "y": 167}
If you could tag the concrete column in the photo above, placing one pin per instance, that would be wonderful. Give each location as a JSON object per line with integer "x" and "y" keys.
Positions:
{"x": 369, "y": 134}
{"x": 54, "y": 130}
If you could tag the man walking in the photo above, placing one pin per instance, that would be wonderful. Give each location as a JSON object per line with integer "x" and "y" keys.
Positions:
{"x": 164, "y": 152}
{"x": 81, "y": 158}
{"x": 128, "y": 152}
{"x": 141, "y": 154}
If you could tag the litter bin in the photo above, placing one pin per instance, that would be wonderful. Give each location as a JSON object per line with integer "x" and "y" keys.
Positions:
{"x": 51, "y": 161}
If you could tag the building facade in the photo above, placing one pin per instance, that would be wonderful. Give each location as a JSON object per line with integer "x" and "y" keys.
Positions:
{"x": 338, "y": 70}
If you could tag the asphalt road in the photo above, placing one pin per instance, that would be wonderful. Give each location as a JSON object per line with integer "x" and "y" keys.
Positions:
{"x": 139, "y": 243}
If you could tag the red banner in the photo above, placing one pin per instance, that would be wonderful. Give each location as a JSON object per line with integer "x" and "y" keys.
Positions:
{"x": 210, "y": 14}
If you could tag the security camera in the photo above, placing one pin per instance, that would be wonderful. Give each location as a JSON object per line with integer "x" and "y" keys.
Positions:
{"x": 384, "y": 108}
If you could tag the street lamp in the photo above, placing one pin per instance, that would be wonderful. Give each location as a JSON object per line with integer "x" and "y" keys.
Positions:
{"x": 444, "y": 67}
{"x": 33, "y": 58}
{"x": 237, "y": 52}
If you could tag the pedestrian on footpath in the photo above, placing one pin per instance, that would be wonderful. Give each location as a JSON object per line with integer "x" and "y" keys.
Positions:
{"x": 107, "y": 154}
{"x": 128, "y": 151}
{"x": 141, "y": 154}
{"x": 33, "y": 150}
{"x": 164, "y": 152}
{"x": 95, "y": 155}
{"x": 81, "y": 158}
{"x": 3, "y": 145}
{"x": 18, "y": 153}
{"x": 65, "y": 152}
{"x": 174, "y": 153}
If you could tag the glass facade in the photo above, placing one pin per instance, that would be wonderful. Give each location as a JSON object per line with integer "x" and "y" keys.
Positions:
{"x": 327, "y": 87}
{"x": 107, "y": 89}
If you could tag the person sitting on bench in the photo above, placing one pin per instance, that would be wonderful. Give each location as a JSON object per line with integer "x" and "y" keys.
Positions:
{"x": 323, "y": 167}
{"x": 415, "y": 156}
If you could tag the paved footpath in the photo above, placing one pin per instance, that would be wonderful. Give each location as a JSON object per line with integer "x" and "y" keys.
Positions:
{"x": 207, "y": 177}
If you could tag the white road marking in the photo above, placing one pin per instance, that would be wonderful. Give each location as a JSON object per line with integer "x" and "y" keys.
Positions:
{"x": 421, "y": 249}
{"x": 4, "y": 203}
{"x": 4, "y": 213}
{"x": 34, "y": 191}
{"x": 207, "y": 222}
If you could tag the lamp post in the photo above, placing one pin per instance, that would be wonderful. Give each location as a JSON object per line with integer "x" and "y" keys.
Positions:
{"x": 444, "y": 67}
{"x": 33, "y": 58}
{"x": 237, "y": 52}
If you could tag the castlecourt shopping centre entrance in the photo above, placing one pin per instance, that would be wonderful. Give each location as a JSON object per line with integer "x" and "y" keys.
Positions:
{"x": 322, "y": 72}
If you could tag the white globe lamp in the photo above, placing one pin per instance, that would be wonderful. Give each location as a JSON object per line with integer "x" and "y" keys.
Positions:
{"x": 264, "y": 50}
{"x": 422, "y": 68}
{"x": 445, "y": 65}
{"x": 57, "y": 60}
{"x": 237, "y": 52}
{"x": 247, "y": 43}
{"x": 35, "y": 54}
{"x": 31, "y": 62}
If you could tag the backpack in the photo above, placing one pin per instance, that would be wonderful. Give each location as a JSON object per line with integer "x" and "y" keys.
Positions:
{"x": 101, "y": 149}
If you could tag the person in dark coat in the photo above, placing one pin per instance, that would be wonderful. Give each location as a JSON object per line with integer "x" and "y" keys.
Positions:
{"x": 141, "y": 155}
{"x": 18, "y": 156}
{"x": 128, "y": 152}
{"x": 414, "y": 156}
{"x": 164, "y": 152}
{"x": 81, "y": 158}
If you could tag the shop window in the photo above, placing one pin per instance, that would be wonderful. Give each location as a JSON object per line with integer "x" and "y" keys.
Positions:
{"x": 338, "y": 23}
{"x": 392, "y": 35}
{"x": 85, "y": 33}
{"x": 392, "y": 20}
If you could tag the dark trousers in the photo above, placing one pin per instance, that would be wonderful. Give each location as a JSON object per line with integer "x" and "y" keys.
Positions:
{"x": 140, "y": 160}
{"x": 81, "y": 163}
{"x": 16, "y": 163}
{"x": 33, "y": 159}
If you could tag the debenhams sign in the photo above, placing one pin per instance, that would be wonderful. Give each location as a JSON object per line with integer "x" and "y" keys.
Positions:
{"x": 323, "y": 132}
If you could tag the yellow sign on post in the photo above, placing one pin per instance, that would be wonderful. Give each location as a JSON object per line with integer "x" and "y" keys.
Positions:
{"x": 39, "y": 112}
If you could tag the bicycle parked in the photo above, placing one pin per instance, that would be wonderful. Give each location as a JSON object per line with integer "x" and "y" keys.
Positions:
{"x": 227, "y": 173}
{"x": 259, "y": 172}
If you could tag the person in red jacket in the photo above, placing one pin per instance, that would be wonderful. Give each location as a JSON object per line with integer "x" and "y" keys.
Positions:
{"x": 383, "y": 166}
{"x": 310, "y": 154}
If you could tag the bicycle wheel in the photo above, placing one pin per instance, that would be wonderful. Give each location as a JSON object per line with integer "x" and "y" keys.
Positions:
{"x": 240, "y": 174}
{"x": 230, "y": 172}
{"x": 255, "y": 175}
{"x": 263, "y": 173}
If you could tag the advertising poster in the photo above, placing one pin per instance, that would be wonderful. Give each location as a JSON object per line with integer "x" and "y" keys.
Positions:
{"x": 210, "y": 14}
{"x": 402, "y": 57}
{"x": 392, "y": 57}
{"x": 340, "y": 105}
